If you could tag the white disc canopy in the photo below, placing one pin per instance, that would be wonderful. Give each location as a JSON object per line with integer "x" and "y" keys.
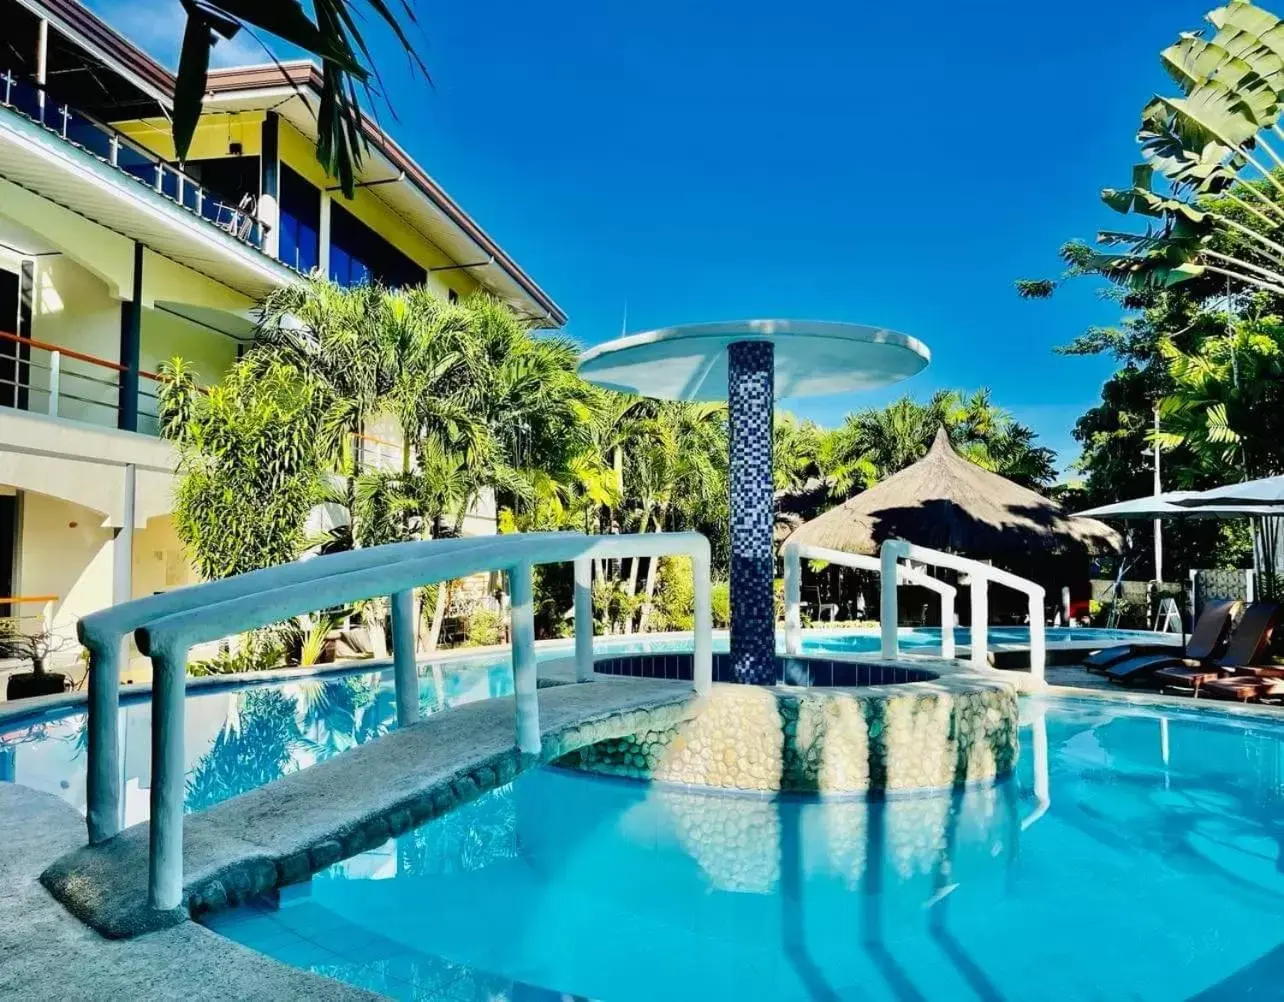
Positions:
{"x": 812, "y": 357}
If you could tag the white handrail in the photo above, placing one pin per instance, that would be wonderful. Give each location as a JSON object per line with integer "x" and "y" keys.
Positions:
{"x": 166, "y": 626}
{"x": 654, "y": 545}
{"x": 980, "y": 576}
{"x": 793, "y": 555}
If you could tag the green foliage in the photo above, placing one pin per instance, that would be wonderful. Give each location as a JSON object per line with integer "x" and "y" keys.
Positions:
{"x": 874, "y": 443}
{"x": 249, "y": 466}
{"x": 331, "y": 30}
{"x": 258, "y": 650}
{"x": 486, "y": 627}
{"x": 1226, "y": 397}
{"x": 1209, "y": 185}
{"x": 674, "y": 596}
{"x": 720, "y": 601}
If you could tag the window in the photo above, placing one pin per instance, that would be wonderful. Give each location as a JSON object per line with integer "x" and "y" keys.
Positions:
{"x": 358, "y": 254}
{"x": 300, "y": 239}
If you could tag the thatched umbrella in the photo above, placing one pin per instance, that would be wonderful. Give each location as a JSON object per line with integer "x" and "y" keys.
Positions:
{"x": 947, "y": 503}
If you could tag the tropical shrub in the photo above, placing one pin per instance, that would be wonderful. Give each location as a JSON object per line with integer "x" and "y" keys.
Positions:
{"x": 720, "y": 600}
{"x": 258, "y": 650}
{"x": 674, "y": 597}
{"x": 486, "y": 628}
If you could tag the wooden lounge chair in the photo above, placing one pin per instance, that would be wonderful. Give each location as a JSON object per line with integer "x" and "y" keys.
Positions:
{"x": 1247, "y": 647}
{"x": 1204, "y": 642}
{"x": 1255, "y": 683}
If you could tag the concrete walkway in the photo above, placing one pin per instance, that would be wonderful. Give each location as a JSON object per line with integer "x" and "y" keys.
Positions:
{"x": 46, "y": 954}
{"x": 284, "y": 832}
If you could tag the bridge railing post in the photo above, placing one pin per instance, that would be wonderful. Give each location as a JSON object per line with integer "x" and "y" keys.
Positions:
{"x": 979, "y": 631}
{"x": 165, "y": 861}
{"x": 891, "y": 551}
{"x": 525, "y": 670}
{"x": 405, "y": 669}
{"x": 103, "y": 813}
{"x": 583, "y": 619}
{"x": 702, "y": 658}
{"x": 793, "y": 599}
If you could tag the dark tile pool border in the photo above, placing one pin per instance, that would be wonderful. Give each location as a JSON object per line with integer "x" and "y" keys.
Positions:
{"x": 808, "y": 672}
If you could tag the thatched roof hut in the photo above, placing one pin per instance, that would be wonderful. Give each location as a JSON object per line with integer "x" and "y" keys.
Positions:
{"x": 945, "y": 502}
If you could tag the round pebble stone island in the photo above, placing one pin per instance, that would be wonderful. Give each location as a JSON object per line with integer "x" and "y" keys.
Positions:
{"x": 831, "y": 727}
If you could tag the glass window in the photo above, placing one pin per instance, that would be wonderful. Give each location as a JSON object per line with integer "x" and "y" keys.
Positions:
{"x": 358, "y": 254}
{"x": 300, "y": 238}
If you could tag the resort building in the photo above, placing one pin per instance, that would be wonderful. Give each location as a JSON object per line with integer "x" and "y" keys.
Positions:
{"x": 114, "y": 257}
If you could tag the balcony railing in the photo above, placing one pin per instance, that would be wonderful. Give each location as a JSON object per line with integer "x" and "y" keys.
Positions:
{"x": 116, "y": 149}
{"x": 49, "y": 379}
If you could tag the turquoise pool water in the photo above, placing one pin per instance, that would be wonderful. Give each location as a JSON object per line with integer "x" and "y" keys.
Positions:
{"x": 1140, "y": 857}
{"x": 243, "y": 735}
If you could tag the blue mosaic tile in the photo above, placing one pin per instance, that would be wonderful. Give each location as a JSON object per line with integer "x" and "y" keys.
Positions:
{"x": 751, "y": 407}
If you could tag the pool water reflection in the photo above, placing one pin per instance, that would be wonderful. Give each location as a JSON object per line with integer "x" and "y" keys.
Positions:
{"x": 1135, "y": 855}
{"x": 241, "y": 738}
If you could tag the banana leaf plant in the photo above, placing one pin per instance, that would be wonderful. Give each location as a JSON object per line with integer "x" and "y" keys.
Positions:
{"x": 1211, "y": 182}
{"x": 332, "y": 33}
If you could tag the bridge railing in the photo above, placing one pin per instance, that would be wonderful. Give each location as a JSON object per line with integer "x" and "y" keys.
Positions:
{"x": 166, "y": 626}
{"x": 795, "y": 553}
{"x": 980, "y": 576}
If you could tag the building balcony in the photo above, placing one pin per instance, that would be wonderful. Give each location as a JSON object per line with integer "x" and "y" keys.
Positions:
{"x": 60, "y": 382}
{"x": 113, "y": 148}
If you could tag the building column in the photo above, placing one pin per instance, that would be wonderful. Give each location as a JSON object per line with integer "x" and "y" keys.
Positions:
{"x": 122, "y": 544}
{"x": 751, "y": 403}
{"x": 270, "y": 184}
{"x": 323, "y": 236}
{"x": 131, "y": 342}
{"x": 42, "y": 63}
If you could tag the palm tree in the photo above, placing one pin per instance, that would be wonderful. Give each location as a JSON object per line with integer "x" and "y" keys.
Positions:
{"x": 527, "y": 409}
{"x": 691, "y": 476}
{"x": 329, "y": 334}
{"x": 333, "y": 35}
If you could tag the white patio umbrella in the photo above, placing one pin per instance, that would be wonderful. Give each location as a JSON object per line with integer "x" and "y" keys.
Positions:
{"x": 1268, "y": 491}
{"x": 1198, "y": 504}
{"x": 1177, "y": 504}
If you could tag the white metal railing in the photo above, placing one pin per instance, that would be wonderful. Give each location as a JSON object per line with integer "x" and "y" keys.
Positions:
{"x": 979, "y": 578}
{"x": 648, "y": 544}
{"x": 63, "y": 382}
{"x": 795, "y": 553}
{"x": 28, "y": 98}
{"x": 165, "y": 626}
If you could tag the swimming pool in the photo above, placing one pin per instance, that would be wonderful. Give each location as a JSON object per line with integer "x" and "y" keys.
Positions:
{"x": 245, "y": 734}
{"x": 1142, "y": 857}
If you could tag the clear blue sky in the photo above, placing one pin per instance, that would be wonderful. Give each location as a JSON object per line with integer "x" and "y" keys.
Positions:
{"x": 880, "y": 163}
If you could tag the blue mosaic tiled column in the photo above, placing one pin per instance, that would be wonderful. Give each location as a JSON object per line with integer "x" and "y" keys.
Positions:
{"x": 751, "y": 403}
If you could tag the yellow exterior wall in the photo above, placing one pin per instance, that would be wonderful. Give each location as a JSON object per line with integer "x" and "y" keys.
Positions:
{"x": 213, "y": 138}
{"x": 298, "y": 153}
{"x": 64, "y": 550}
{"x": 159, "y": 562}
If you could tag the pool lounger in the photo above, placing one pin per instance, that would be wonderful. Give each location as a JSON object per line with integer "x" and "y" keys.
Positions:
{"x": 1205, "y": 641}
{"x": 1252, "y": 684}
{"x": 1247, "y": 646}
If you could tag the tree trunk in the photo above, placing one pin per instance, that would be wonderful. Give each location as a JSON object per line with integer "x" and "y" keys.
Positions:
{"x": 631, "y": 588}
{"x": 438, "y": 615}
{"x": 651, "y": 575}
{"x": 443, "y": 587}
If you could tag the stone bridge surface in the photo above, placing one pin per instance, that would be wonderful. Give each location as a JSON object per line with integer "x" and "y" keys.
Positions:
{"x": 300, "y": 824}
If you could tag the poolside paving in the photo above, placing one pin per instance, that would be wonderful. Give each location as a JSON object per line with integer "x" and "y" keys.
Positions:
{"x": 46, "y": 954}
{"x": 300, "y": 824}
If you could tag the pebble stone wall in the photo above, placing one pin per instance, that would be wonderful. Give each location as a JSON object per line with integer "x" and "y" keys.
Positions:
{"x": 915, "y": 736}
